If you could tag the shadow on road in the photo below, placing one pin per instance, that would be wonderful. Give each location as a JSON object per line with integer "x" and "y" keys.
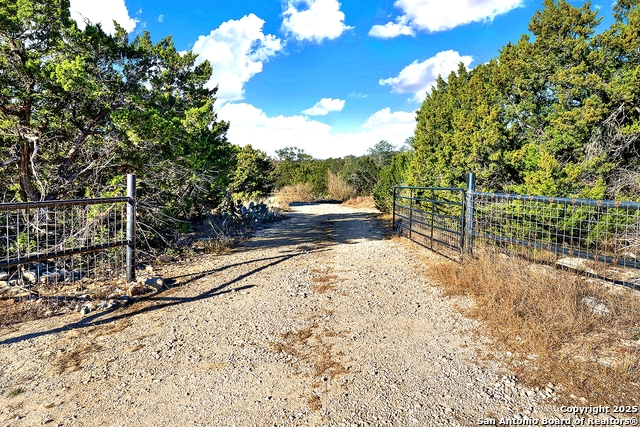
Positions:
{"x": 319, "y": 231}
{"x": 300, "y": 233}
{"x": 161, "y": 300}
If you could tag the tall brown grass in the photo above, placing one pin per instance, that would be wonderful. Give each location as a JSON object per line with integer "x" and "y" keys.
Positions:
{"x": 294, "y": 193}
{"x": 361, "y": 202}
{"x": 539, "y": 315}
{"x": 338, "y": 188}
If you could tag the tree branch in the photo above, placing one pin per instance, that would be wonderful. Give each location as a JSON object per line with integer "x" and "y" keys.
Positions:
{"x": 12, "y": 110}
{"x": 73, "y": 153}
{"x": 9, "y": 162}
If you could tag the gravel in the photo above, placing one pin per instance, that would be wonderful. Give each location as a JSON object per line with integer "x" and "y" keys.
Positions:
{"x": 316, "y": 321}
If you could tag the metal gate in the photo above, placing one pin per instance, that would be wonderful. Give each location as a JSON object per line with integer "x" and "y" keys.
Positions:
{"x": 430, "y": 216}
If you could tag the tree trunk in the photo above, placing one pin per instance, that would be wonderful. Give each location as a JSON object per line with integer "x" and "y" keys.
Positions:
{"x": 28, "y": 191}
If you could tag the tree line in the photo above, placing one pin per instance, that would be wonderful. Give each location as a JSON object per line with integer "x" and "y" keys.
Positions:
{"x": 358, "y": 175}
{"x": 557, "y": 113}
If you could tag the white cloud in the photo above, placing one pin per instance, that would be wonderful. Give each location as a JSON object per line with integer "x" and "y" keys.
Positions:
{"x": 438, "y": 15}
{"x": 386, "y": 119}
{"x": 103, "y": 12}
{"x": 418, "y": 77}
{"x": 237, "y": 51}
{"x": 314, "y": 20}
{"x": 250, "y": 125}
{"x": 392, "y": 29}
{"x": 161, "y": 18}
{"x": 325, "y": 106}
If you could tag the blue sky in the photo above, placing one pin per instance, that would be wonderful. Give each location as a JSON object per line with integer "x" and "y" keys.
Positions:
{"x": 331, "y": 77}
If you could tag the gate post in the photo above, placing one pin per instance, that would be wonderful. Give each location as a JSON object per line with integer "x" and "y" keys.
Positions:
{"x": 410, "y": 211}
{"x": 471, "y": 188}
{"x": 131, "y": 228}
{"x": 393, "y": 215}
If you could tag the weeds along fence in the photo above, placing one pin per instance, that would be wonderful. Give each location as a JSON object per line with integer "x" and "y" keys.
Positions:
{"x": 598, "y": 239}
{"x": 47, "y": 245}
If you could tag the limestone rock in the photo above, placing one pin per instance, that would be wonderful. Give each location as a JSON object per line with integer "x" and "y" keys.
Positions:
{"x": 579, "y": 264}
{"x": 31, "y": 276}
{"x": 595, "y": 306}
{"x": 156, "y": 283}
{"x": 628, "y": 255}
{"x": 52, "y": 277}
{"x": 137, "y": 289}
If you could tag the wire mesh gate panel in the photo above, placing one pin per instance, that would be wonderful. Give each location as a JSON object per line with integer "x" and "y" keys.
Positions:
{"x": 45, "y": 245}
{"x": 431, "y": 216}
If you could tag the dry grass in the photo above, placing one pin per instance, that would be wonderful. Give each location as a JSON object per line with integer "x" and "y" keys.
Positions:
{"x": 294, "y": 193}
{"x": 325, "y": 278}
{"x": 215, "y": 366}
{"x": 136, "y": 348}
{"x": 18, "y": 310}
{"x": 217, "y": 245}
{"x": 385, "y": 221}
{"x": 394, "y": 237}
{"x": 115, "y": 327}
{"x": 309, "y": 346}
{"x": 361, "y": 202}
{"x": 338, "y": 188}
{"x": 324, "y": 283}
{"x": 323, "y": 288}
{"x": 71, "y": 361}
{"x": 314, "y": 402}
{"x": 553, "y": 335}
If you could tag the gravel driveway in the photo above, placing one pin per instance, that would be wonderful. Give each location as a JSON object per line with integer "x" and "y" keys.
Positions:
{"x": 318, "y": 320}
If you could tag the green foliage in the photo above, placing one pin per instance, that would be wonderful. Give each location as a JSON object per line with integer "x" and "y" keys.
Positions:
{"x": 251, "y": 177}
{"x": 23, "y": 244}
{"x": 292, "y": 154}
{"x": 253, "y": 214}
{"x": 381, "y": 153}
{"x": 80, "y": 109}
{"x": 392, "y": 175}
{"x": 555, "y": 114}
{"x": 16, "y": 392}
{"x": 604, "y": 230}
{"x": 359, "y": 173}
{"x": 237, "y": 219}
{"x": 294, "y": 166}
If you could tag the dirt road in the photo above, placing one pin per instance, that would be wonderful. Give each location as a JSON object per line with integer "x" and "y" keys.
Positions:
{"x": 315, "y": 321}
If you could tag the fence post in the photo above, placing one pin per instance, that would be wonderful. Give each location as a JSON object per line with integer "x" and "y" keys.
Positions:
{"x": 393, "y": 215}
{"x": 131, "y": 228}
{"x": 463, "y": 220}
{"x": 471, "y": 188}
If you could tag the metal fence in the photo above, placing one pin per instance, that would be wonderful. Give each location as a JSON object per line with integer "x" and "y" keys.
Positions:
{"x": 596, "y": 238}
{"x": 49, "y": 244}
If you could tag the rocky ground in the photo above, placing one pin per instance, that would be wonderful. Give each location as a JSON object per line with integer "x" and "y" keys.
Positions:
{"x": 317, "y": 321}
